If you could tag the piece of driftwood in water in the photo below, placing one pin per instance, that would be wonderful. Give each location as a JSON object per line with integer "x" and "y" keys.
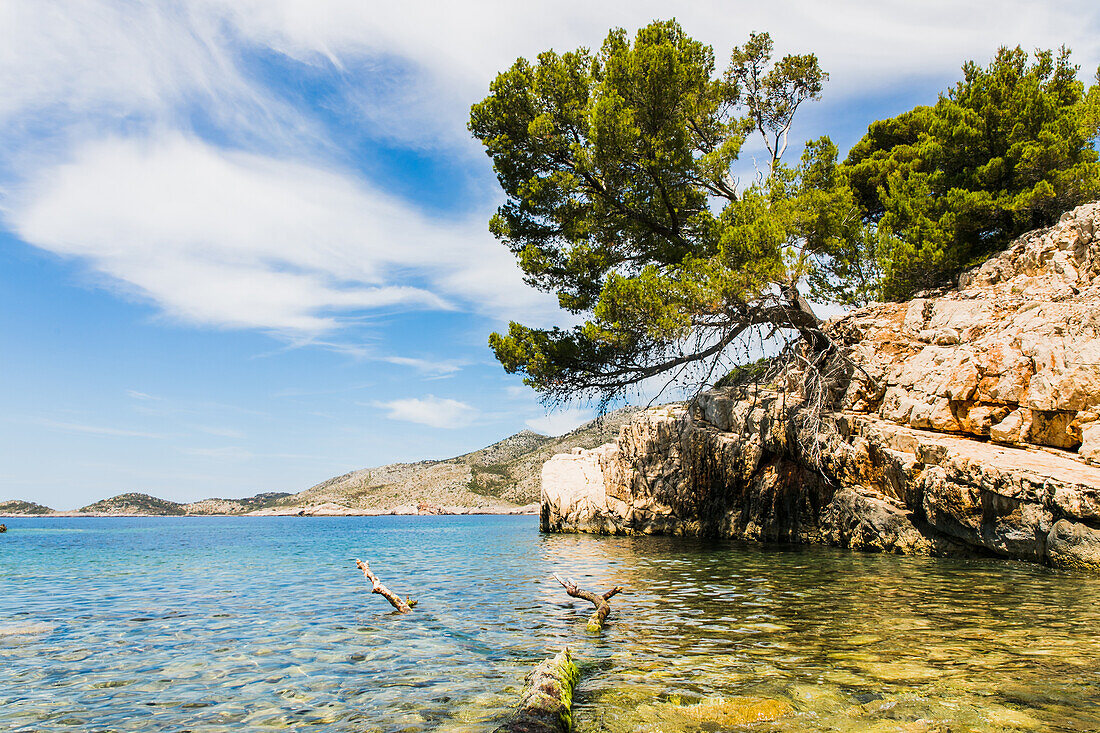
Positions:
{"x": 546, "y": 703}
{"x": 603, "y": 608}
{"x": 402, "y": 605}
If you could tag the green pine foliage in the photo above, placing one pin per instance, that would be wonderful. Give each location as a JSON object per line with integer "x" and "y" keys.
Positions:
{"x": 1007, "y": 149}
{"x": 620, "y": 200}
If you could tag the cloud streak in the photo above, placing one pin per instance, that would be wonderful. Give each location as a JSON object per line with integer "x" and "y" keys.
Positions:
{"x": 441, "y": 56}
{"x": 70, "y": 427}
{"x": 435, "y": 412}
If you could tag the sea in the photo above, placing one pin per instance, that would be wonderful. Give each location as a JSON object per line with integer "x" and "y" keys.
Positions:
{"x": 241, "y": 623}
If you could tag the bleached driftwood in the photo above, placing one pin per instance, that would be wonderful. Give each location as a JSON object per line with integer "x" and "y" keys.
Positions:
{"x": 546, "y": 702}
{"x": 402, "y": 605}
{"x": 603, "y": 608}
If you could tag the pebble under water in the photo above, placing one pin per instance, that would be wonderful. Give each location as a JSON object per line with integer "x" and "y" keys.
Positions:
{"x": 231, "y": 624}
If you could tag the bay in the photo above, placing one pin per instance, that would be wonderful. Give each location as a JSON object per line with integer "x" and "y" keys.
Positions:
{"x": 239, "y": 623}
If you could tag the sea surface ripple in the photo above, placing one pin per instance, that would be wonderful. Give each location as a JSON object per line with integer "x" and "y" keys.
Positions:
{"x": 230, "y": 624}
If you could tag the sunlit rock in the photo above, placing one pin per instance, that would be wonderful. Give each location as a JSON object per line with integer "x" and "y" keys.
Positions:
{"x": 971, "y": 426}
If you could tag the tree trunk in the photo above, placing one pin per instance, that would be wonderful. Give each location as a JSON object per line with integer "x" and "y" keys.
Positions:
{"x": 805, "y": 321}
{"x": 546, "y": 703}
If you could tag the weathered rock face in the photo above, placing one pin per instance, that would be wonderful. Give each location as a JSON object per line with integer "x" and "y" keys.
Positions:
{"x": 971, "y": 425}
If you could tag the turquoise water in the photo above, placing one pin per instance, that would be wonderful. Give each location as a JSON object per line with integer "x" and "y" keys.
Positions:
{"x": 219, "y": 624}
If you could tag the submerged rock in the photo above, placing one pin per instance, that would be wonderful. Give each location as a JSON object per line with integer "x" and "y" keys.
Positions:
{"x": 26, "y": 629}
{"x": 969, "y": 425}
{"x": 724, "y": 712}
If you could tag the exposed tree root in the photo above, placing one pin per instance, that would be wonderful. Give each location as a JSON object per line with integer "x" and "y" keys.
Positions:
{"x": 402, "y": 606}
{"x": 603, "y": 608}
{"x": 547, "y": 699}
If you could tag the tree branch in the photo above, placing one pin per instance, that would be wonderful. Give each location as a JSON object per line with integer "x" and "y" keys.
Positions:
{"x": 603, "y": 608}
{"x": 546, "y": 702}
{"x": 402, "y": 606}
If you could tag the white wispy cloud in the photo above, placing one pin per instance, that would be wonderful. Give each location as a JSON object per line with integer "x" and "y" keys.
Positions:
{"x": 441, "y": 56}
{"x": 519, "y": 391}
{"x": 433, "y": 368}
{"x": 230, "y": 239}
{"x": 69, "y": 71}
{"x": 133, "y": 393}
{"x": 72, "y": 427}
{"x": 263, "y": 229}
{"x": 561, "y": 422}
{"x": 429, "y": 368}
{"x": 219, "y": 431}
{"x": 435, "y": 412}
{"x": 229, "y": 452}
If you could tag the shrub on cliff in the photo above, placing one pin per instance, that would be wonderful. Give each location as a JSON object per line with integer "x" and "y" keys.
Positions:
{"x": 1007, "y": 149}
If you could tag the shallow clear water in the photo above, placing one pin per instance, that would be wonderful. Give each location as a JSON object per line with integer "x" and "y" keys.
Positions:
{"x": 219, "y": 624}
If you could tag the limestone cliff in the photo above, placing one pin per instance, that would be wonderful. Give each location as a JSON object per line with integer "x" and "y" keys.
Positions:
{"x": 968, "y": 425}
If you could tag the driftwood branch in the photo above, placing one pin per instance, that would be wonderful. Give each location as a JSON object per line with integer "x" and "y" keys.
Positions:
{"x": 402, "y": 605}
{"x": 546, "y": 703}
{"x": 603, "y": 608}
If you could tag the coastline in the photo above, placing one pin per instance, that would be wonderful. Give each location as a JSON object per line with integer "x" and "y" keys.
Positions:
{"x": 319, "y": 511}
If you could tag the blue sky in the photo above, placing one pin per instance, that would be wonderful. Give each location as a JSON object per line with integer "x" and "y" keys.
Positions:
{"x": 243, "y": 243}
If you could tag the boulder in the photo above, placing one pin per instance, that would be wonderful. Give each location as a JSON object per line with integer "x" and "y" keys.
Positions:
{"x": 1074, "y": 546}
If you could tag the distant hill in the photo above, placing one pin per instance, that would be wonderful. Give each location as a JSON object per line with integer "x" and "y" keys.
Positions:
{"x": 502, "y": 475}
{"x": 497, "y": 478}
{"x": 234, "y": 506}
{"x": 134, "y": 504}
{"x": 23, "y": 507}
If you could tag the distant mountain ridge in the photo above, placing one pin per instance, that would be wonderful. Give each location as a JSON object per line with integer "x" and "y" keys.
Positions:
{"x": 500, "y": 478}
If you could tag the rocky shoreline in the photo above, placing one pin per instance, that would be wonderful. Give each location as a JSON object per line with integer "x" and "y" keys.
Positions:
{"x": 968, "y": 425}
{"x": 322, "y": 510}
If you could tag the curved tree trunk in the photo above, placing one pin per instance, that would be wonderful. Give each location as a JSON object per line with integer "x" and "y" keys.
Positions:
{"x": 546, "y": 703}
{"x": 805, "y": 321}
